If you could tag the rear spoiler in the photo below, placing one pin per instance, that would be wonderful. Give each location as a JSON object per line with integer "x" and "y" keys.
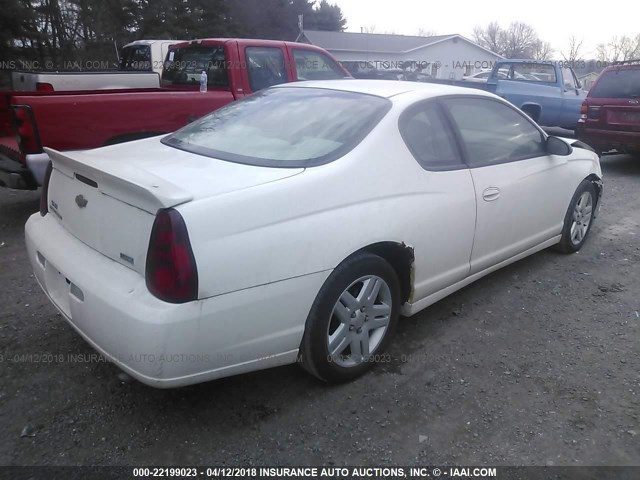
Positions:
{"x": 120, "y": 180}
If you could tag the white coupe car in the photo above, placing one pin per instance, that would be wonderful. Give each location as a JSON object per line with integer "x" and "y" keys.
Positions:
{"x": 298, "y": 224}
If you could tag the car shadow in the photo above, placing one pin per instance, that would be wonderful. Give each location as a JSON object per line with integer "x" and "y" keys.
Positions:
{"x": 620, "y": 164}
{"x": 17, "y": 205}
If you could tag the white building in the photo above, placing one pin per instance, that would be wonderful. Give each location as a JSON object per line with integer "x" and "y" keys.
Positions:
{"x": 441, "y": 56}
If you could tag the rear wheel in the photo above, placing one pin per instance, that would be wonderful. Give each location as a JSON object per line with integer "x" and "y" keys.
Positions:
{"x": 579, "y": 217}
{"x": 352, "y": 319}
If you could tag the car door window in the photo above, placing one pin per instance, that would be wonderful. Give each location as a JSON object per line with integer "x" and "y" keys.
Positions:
{"x": 266, "y": 67}
{"x": 429, "y": 138}
{"x": 315, "y": 66}
{"x": 493, "y": 132}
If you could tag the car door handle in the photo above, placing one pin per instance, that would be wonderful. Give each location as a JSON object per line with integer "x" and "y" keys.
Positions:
{"x": 491, "y": 194}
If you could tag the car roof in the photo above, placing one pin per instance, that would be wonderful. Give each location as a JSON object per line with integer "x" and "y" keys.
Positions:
{"x": 386, "y": 88}
{"x": 622, "y": 66}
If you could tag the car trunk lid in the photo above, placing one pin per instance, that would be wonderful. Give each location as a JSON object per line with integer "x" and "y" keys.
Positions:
{"x": 108, "y": 198}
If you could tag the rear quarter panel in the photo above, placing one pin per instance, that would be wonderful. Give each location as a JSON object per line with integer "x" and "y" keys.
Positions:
{"x": 311, "y": 222}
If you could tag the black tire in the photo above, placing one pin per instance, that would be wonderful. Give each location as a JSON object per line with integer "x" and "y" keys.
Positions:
{"x": 314, "y": 350}
{"x": 567, "y": 244}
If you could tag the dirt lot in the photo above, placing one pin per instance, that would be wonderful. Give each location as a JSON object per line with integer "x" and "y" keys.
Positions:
{"x": 534, "y": 365}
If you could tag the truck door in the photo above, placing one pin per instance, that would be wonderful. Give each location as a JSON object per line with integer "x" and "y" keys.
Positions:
{"x": 572, "y": 98}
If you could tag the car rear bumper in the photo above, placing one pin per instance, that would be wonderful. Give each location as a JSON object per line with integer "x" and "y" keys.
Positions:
{"x": 166, "y": 345}
{"x": 604, "y": 140}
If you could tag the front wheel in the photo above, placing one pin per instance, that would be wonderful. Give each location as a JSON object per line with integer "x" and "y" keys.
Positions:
{"x": 579, "y": 217}
{"x": 352, "y": 319}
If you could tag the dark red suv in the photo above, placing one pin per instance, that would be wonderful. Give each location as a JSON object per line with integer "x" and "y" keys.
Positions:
{"x": 610, "y": 117}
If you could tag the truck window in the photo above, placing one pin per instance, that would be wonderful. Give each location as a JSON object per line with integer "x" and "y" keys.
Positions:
{"x": 568, "y": 80}
{"x": 265, "y": 66}
{"x": 136, "y": 58}
{"x": 530, "y": 72}
{"x": 184, "y": 66}
{"x": 315, "y": 66}
{"x": 620, "y": 83}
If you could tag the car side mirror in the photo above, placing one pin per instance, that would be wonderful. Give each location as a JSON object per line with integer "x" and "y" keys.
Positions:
{"x": 556, "y": 146}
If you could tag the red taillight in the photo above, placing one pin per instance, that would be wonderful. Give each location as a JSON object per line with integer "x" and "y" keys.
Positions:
{"x": 171, "y": 271}
{"x": 25, "y": 129}
{"x": 44, "y": 87}
{"x": 44, "y": 195}
{"x": 583, "y": 108}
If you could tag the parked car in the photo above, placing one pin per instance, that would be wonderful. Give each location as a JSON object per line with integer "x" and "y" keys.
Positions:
{"x": 278, "y": 228}
{"x": 140, "y": 67}
{"x": 480, "y": 77}
{"x": 611, "y": 112}
{"x": 235, "y": 68}
{"x": 548, "y": 92}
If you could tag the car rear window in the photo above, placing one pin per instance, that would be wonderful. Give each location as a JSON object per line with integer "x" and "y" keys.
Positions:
{"x": 284, "y": 127}
{"x": 621, "y": 83}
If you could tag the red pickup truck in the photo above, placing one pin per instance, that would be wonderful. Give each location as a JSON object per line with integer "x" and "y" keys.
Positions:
{"x": 85, "y": 119}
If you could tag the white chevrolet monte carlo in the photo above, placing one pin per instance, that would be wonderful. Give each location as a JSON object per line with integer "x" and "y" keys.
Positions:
{"x": 299, "y": 224}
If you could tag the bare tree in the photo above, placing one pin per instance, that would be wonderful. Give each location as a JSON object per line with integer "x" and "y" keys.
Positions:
{"x": 519, "y": 40}
{"x": 619, "y": 49}
{"x": 573, "y": 55}
{"x": 542, "y": 50}
{"x": 491, "y": 37}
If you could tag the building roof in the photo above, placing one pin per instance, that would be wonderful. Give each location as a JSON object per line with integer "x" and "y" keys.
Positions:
{"x": 377, "y": 42}
{"x": 371, "y": 42}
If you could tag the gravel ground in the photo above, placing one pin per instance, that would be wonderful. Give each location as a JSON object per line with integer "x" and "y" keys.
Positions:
{"x": 536, "y": 364}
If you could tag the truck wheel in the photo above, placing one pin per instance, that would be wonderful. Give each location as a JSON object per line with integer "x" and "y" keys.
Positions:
{"x": 579, "y": 218}
{"x": 352, "y": 319}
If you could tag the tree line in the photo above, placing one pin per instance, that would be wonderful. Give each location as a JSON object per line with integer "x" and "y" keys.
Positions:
{"x": 520, "y": 40}
{"x": 76, "y": 29}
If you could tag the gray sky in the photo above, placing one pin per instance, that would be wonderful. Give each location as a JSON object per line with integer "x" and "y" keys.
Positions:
{"x": 593, "y": 21}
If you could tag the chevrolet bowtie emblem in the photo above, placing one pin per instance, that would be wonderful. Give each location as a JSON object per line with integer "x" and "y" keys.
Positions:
{"x": 81, "y": 201}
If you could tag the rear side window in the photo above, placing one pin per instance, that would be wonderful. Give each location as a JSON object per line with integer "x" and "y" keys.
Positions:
{"x": 184, "y": 66}
{"x": 493, "y": 132}
{"x": 315, "y": 66}
{"x": 618, "y": 84}
{"x": 429, "y": 138}
{"x": 266, "y": 67}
